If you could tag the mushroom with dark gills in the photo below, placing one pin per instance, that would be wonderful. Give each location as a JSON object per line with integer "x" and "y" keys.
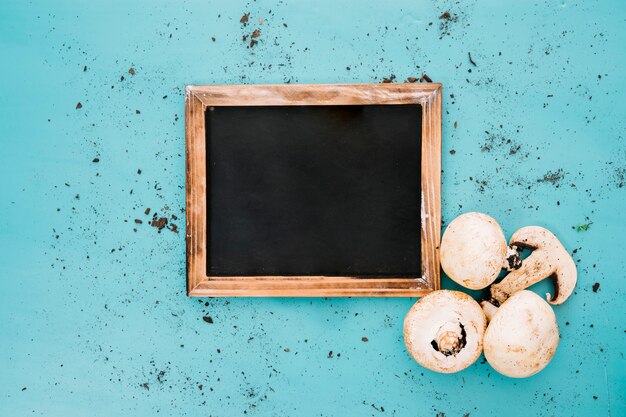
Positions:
{"x": 444, "y": 331}
{"x": 474, "y": 251}
{"x": 548, "y": 259}
{"x": 522, "y": 335}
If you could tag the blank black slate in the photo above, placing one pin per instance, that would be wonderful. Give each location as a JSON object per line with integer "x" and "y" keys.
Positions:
{"x": 314, "y": 190}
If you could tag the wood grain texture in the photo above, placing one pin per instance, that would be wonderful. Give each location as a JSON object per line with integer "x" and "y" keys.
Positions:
{"x": 198, "y": 98}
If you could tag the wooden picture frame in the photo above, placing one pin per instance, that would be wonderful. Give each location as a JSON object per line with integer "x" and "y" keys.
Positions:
{"x": 198, "y": 98}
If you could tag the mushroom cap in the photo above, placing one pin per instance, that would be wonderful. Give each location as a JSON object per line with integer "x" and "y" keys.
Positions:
{"x": 473, "y": 250}
{"x": 444, "y": 331}
{"x": 522, "y": 336}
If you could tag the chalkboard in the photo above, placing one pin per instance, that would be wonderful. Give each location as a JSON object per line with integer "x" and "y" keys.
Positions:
{"x": 313, "y": 190}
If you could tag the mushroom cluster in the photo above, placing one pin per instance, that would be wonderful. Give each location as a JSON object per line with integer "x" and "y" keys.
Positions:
{"x": 446, "y": 331}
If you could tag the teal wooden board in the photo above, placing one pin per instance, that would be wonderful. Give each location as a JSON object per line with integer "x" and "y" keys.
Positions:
{"x": 94, "y": 317}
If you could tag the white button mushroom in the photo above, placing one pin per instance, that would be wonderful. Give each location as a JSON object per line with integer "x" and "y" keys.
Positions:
{"x": 522, "y": 335}
{"x": 548, "y": 259}
{"x": 474, "y": 251}
{"x": 444, "y": 331}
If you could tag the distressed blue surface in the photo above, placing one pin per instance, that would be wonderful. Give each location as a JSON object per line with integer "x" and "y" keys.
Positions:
{"x": 94, "y": 317}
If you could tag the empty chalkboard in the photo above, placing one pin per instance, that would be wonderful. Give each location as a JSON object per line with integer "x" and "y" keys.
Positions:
{"x": 314, "y": 190}
{"x": 307, "y": 192}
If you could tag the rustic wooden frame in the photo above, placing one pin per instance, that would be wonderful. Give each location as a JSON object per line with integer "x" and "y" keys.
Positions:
{"x": 198, "y": 98}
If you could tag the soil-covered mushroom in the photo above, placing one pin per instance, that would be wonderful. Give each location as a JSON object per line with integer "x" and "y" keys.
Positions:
{"x": 548, "y": 259}
{"x": 474, "y": 251}
{"x": 444, "y": 331}
{"x": 522, "y": 335}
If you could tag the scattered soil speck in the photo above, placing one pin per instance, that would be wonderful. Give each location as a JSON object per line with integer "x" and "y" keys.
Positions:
{"x": 131, "y": 71}
{"x": 446, "y": 20}
{"x": 208, "y": 319}
{"x": 244, "y": 18}
{"x": 596, "y": 287}
{"x": 159, "y": 223}
{"x": 96, "y": 160}
{"x": 79, "y": 105}
{"x": 553, "y": 177}
{"x": 364, "y": 339}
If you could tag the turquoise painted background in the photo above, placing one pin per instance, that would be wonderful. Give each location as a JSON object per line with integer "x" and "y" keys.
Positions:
{"x": 94, "y": 317}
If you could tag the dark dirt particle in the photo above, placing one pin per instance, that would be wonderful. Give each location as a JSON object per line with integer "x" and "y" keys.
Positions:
{"x": 596, "y": 287}
{"x": 244, "y": 18}
{"x": 412, "y": 79}
{"x": 252, "y": 43}
{"x": 24, "y": 389}
{"x": 389, "y": 79}
{"x": 79, "y": 105}
{"x": 452, "y": 151}
{"x": 256, "y": 33}
{"x": 200, "y": 387}
{"x": 208, "y": 319}
{"x": 131, "y": 71}
{"x": 330, "y": 354}
{"x": 425, "y": 78}
{"x": 213, "y": 38}
{"x": 85, "y": 68}
{"x": 139, "y": 171}
{"x": 364, "y": 339}
{"x": 595, "y": 397}
{"x": 445, "y": 16}
{"x": 138, "y": 221}
{"x": 146, "y": 386}
{"x": 469, "y": 55}
{"x": 96, "y": 160}
{"x": 147, "y": 211}
{"x": 137, "y": 111}
{"x": 159, "y": 223}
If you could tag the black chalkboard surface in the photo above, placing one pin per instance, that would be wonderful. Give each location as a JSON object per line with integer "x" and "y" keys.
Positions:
{"x": 313, "y": 190}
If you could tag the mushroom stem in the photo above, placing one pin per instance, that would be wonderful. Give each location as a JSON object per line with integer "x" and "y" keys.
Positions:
{"x": 450, "y": 341}
{"x": 489, "y": 309}
{"x": 548, "y": 259}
